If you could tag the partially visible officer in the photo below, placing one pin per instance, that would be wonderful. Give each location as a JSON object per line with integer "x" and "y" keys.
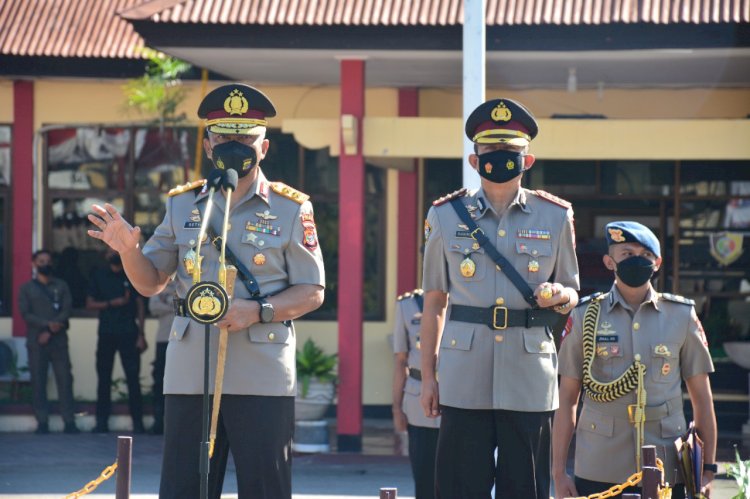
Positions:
{"x": 273, "y": 235}
{"x": 407, "y": 412}
{"x": 121, "y": 322}
{"x": 503, "y": 258}
{"x": 605, "y": 341}
{"x": 162, "y": 307}
{"x": 45, "y": 305}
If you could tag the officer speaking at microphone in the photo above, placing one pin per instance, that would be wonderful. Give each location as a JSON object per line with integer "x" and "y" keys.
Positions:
{"x": 500, "y": 272}
{"x": 273, "y": 242}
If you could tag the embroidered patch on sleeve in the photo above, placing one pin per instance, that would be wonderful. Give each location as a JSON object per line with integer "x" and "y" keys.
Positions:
{"x": 699, "y": 328}
{"x": 568, "y": 327}
{"x": 427, "y": 230}
{"x": 310, "y": 235}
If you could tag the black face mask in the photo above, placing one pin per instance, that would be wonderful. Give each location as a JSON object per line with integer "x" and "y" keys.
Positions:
{"x": 114, "y": 260}
{"x": 635, "y": 271}
{"x": 500, "y": 166}
{"x": 236, "y": 156}
{"x": 45, "y": 269}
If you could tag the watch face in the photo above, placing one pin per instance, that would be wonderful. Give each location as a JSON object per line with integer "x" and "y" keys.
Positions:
{"x": 266, "y": 312}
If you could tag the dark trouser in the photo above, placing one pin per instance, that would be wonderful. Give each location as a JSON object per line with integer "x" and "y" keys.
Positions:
{"x": 588, "y": 487}
{"x": 106, "y": 347}
{"x": 158, "y": 390}
{"x": 40, "y": 357}
{"x": 422, "y": 450}
{"x": 465, "y": 454}
{"x": 259, "y": 430}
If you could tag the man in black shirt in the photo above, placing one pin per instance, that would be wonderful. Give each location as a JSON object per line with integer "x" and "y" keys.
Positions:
{"x": 45, "y": 304}
{"x": 121, "y": 322}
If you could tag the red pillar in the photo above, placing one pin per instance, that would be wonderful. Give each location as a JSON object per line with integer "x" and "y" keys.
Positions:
{"x": 351, "y": 259}
{"x": 22, "y": 198}
{"x": 406, "y": 280}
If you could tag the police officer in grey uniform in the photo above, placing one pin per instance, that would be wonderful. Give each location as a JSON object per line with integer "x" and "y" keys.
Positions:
{"x": 635, "y": 323}
{"x": 500, "y": 272}
{"x": 272, "y": 233}
{"x": 407, "y": 377}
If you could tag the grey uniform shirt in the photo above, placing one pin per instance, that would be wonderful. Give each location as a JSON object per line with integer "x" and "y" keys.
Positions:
{"x": 406, "y": 340}
{"x": 515, "y": 368}
{"x": 41, "y": 304}
{"x": 273, "y": 234}
{"x": 667, "y": 334}
{"x": 161, "y": 306}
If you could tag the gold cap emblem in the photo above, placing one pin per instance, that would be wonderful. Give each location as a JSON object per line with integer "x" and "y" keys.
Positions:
{"x": 236, "y": 103}
{"x": 501, "y": 113}
{"x": 616, "y": 235}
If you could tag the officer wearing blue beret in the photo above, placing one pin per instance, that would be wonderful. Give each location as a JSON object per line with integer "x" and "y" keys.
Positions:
{"x": 629, "y": 349}
{"x": 272, "y": 235}
{"x": 503, "y": 258}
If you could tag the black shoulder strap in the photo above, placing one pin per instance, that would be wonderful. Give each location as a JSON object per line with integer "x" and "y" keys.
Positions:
{"x": 247, "y": 278}
{"x": 479, "y": 236}
{"x": 420, "y": 301}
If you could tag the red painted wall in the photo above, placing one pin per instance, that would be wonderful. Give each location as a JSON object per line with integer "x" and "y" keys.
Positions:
{"x": 351, "y": 261}
{"x": 22, "y": 198}
{"x": 406, "y": 280}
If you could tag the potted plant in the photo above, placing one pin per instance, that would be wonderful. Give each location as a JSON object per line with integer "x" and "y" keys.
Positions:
{"x": 316, "y": 381}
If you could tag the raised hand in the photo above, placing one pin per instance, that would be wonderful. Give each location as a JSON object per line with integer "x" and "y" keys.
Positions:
{"x": 113, "y": 229}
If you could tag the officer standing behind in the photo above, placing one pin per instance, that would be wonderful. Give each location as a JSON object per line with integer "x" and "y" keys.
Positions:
{"x": 121, "y": 322}
{"x": 407, "y": 412}
{"x": 607, "y": 340}
{"x": 162, "y": 307}
{"x": 45, "y": 305}
{"x": 273, "y": 235}
{"x": 497, "y": 359}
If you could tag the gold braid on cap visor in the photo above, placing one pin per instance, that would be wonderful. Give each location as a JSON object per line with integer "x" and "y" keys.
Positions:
{"x": 495, "y": 136}
{"x": 233, "y": 125}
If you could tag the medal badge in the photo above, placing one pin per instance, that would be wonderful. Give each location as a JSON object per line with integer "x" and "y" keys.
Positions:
{"x": 602, "y": 351}
{"x": 662, "y": 350}
{"x": 259, "y": 259}
{"x": 533, "y": 266}
{"x": 666, "y": 369}
{"x": 468, "y": 267}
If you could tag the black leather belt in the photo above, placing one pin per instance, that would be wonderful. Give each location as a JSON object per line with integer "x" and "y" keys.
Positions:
{"x": 180, "y": 309}
{"x": 415, "y": 373}
{"x": 502, "y": 317}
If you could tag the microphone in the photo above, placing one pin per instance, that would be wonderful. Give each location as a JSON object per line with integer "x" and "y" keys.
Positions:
{"x": 214, "y": 181}
{"x": 229, "y": 183}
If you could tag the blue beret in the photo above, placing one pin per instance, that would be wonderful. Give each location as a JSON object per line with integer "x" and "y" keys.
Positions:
{"x": 632, "y": 232}
{"x": 501, "y": 121}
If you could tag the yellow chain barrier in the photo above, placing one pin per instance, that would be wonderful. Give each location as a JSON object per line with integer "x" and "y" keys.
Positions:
{"x": 93, "y": 484}
{"x": 634, "y": 479}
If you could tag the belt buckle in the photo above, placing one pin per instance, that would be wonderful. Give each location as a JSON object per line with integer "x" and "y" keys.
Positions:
{"x": 478, "y": 229}
{"x": 495, "y": 310}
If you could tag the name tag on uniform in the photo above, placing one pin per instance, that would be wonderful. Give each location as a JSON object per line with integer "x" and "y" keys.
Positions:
{"x": 610, "y": 338}
{"x": 192, "y": 225}
{"x": 464, "y": 233}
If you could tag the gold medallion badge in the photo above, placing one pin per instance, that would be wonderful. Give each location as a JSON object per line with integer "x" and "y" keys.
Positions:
{"x": 468, "y": 267}
{"x": 207, "y": 302}
{"x": 501, "y": 113}
{"x": 236, "y": 103}
{"x": 259, "y": 259}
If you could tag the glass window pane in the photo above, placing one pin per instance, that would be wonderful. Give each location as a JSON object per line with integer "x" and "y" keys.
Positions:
{"x": 715, "y": 178}
{"x": 632, "y": 178}
{"x": 562, "y": 177}
{"x": 321, "y": 172}
{"x": 162, "y": 157}
{"x": 87, "y": 158}
{"x": 282, "y": 159}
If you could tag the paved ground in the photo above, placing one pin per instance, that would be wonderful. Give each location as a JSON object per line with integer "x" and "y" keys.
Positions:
{"x": 50, "y": 466}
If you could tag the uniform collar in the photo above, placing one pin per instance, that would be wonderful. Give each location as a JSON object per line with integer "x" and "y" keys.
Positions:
{"x": 483, "y": 205}
{"x": 615, "y": 297}
{"x": 260, "y": 188}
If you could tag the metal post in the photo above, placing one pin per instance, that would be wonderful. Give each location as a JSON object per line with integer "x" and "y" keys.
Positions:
{"x": 650, "y": 482}
{"x": 649, "y": 455}
{"x": 204, "y": 459}
{"x": 474, "y": 75}
{"x": 388, "y": 493}
{"x": 124, "y": 460}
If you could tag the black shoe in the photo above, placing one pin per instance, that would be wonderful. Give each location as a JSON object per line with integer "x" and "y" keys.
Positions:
{"x": 42, "y": 429}
{"x": 100, "y": 429}
{"x": 71, "y": 428}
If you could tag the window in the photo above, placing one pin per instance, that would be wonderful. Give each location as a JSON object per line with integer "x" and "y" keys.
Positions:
{"x": 134, "y": 167}
{"x": 5, "y": 173}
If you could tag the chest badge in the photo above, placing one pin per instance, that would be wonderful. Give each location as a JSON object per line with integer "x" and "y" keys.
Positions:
{"x": 602, "y": 351}
{"x": 189, "y": 261}
{"x": 533, "y": 266}
{"x": 259, "y": 259}
{"x": 534, "y": 234}
{"x": 467, "y": 267}
{"x": 666, "y": 369}
{"x": 662, "y": 351}
{"x": 264, "y": 224}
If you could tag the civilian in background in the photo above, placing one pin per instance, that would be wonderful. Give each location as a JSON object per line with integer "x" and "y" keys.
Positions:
{"x": 45, "y": 304}
{"x": 121, "y": 319}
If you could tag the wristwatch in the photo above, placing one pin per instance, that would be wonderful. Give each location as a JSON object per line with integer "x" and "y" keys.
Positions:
{"x": 711, "y": 467}
{"x": 266, "y": 311}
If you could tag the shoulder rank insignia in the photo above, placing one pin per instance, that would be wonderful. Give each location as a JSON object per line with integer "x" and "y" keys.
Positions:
{"x": 448, "y": 197}
{"x": 552, "y": 198}
{"x": 593, "y": 297}
{"x": 289, "y": 192}
{"x": 676, "y": 298}
{"x": 186, "y": 187}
